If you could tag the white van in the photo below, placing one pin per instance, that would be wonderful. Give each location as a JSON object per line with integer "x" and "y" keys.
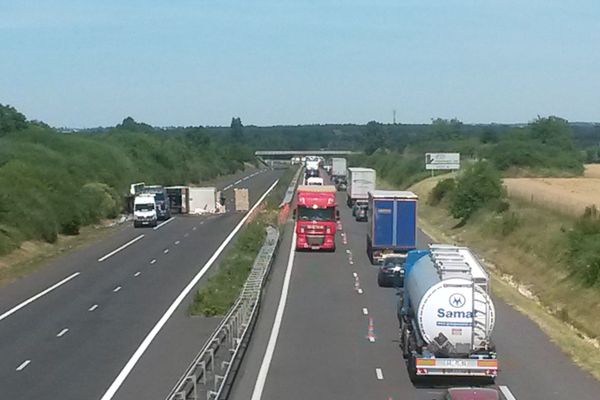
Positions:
{"x": 144, "y": 210}
{"x": 314, "y": 181}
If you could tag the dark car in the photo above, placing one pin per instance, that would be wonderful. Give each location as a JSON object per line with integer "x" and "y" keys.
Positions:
{"x": 472, "y": 394}
{"x": 391, "y": 271}
{"x": 361, "y": 213}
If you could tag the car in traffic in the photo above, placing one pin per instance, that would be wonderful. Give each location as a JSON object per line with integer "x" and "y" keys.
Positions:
{"x": 472, "y": 394}
{"x": 361, "y": 212}
{"x": 359, "y": 204}
{"x": 391, "y": 271}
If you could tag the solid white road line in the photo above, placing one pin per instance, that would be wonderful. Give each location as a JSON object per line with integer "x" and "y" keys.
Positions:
{"x": 365, "y": 311}
{"x": 117, "y": 289}
{"x": 157, "y": 227}
{"x": 507, "y": 393}
{"x": 266, "y": 362}
{"x": 37, "y": 296}
{"x": 61, "y": 333}
{"x": 137, "y": 274}
{"x": 153, "y": 261}
{"x": 379, "y": 373}
{"x": 110, "y": 392}
{"x": 112, "y": 253}
{"x": 227, "y": 187}
{"x": 23, "y": 365}
{"x": 92, "y": 308}
{"x": 237, "y": 182}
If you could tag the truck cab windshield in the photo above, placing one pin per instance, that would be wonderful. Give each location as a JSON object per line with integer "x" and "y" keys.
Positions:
{"x": 316, "y": 214}
{"x": 144, "y": 207}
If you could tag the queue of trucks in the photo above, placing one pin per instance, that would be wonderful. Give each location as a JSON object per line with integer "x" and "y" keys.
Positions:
{"x": 445, "y": 311}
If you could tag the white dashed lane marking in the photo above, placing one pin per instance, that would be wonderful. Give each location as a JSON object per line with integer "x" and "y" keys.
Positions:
{"x": 61, "y": 333}
{"x": 92, "y": 308}
{"x": 507, "y": 393}
{"x": 379, "y": 374}
{"x": 117, "y": 289}
{"x": 112, "y": 253}
{"x": 137, "y": 274}
{"x": 23, "y": 365}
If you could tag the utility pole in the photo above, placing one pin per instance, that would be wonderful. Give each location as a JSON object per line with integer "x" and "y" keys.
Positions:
{"x": 394, "y": 117}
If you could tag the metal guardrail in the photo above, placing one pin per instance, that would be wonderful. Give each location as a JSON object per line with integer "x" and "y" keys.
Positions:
{"x": 289, "y": 194}
{"x": 211, "y": 374}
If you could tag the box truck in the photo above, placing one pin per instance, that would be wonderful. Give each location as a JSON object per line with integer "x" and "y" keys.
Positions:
{"x": 361, "y": 181}
{"x": 392, "y": 217}
{"x": 316, "y": 217}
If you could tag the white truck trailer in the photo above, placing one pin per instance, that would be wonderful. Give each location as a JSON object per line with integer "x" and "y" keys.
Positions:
{"x": 361, "y": 181}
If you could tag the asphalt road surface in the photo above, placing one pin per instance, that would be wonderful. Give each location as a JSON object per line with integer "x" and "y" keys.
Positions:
{"x": 322, "y": 351}
{"x": 67, "y": 330}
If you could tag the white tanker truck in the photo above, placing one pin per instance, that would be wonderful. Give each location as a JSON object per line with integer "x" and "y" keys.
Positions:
{"x": 446, "y": 315}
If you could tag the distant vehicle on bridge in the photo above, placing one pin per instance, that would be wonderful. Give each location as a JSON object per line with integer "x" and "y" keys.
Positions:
{"x": 316, "y": 218}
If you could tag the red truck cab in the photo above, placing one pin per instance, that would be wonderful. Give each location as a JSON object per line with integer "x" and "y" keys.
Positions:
{"x": 316, "y": 217}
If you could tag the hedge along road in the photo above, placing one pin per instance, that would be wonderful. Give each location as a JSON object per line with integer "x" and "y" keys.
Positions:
{"x": 72, "y": 342}
{"x": 323, "y": 348}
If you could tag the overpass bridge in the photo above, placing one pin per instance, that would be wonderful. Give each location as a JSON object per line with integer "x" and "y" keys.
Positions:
{"x": 274, "y": 158}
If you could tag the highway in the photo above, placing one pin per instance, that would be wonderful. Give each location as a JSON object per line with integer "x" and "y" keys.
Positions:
{"x": 321, "y": 350}
{"x": 68, "y": 330}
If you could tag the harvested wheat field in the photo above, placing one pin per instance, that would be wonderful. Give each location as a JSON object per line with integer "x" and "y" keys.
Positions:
{"x": 568, "y": 195}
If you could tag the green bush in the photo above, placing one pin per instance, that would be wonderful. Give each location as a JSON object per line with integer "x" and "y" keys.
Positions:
{"x": 59, "y": 182}
{"x": 584, "y": 247}
{"x": 441, "y": 190}
{"x": 476, "y": 187}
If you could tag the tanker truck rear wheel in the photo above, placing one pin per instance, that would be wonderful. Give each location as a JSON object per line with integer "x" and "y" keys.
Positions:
{"x": 412, "y": 370}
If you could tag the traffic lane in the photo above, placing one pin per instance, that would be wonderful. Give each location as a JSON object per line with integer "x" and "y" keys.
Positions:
{"x": 61, "y": 267}
{"x": 127, "y": 321}
{"x": 534, "y": 367}
{"x": 176, "y": 345}
{"x": 99, "y": 342}
{"x": 352, "y": 357}
{"x": 248, "y": 371}
{"x": 382, "y": 358}
{"x": 323, "y": 347}
{"x": 321, "y": 332}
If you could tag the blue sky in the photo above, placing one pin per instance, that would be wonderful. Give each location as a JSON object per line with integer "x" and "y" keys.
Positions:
{"x": 200, "y": 62}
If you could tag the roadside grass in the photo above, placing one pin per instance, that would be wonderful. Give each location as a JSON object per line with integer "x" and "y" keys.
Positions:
{"x": 529, "y": 265}
{"x": 219, "y": 293}
{"x": 221, "y": 290}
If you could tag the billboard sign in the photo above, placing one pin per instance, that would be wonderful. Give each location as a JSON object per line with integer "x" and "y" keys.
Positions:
{"x": 434, "y": 161}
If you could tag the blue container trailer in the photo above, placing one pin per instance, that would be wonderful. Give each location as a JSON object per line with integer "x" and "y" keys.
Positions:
{"x": 393, "y": 223}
